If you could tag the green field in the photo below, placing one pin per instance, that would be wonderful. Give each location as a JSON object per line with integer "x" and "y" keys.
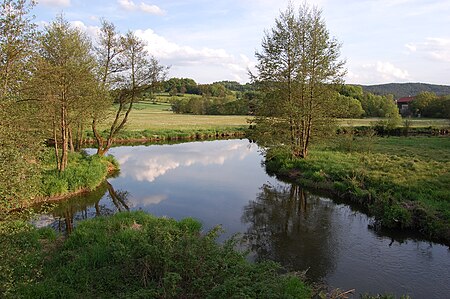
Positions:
{"x": 158, "y": 116}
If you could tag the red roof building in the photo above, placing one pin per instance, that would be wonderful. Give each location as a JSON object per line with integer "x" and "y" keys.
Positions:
{"x": 403, "y": 105}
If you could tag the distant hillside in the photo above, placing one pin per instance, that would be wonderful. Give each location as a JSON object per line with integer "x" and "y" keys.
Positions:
{"x": 406, "y": 89}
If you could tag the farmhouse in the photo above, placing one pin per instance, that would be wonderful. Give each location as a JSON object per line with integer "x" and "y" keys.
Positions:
{"x": 404, "y": 105}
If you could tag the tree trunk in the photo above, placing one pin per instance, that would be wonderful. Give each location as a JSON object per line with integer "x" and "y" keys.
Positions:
{"x": 64, "y": 139}
{"x": 98, "y": 138}
{"x": 79, "y": 137}
{"x": 70, "y": 137}
{"x": 55, "y": 137}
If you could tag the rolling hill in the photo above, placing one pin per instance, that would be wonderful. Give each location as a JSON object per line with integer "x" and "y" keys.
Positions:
{"x": 406, "y": 89}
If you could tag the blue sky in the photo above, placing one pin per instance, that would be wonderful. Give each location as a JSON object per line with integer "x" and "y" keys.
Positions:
{"x": 382, "y": 40}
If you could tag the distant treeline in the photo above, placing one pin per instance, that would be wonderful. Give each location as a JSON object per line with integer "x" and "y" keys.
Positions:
{"x": 233, "y": 98}
{"x": 176, "y": 86}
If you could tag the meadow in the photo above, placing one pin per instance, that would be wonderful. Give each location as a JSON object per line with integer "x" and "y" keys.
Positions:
{"x": 157, "y": 116}
{"x": 402, "y": 181}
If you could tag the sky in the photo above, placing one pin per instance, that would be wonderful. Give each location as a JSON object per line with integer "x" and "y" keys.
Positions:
{"x": 383, "y": 41}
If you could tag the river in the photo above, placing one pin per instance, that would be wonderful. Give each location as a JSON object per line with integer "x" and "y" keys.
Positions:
{"x": 224, "y": 183}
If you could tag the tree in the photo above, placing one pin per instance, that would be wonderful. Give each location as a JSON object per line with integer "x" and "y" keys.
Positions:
{"x": 64, "y": 82}
{"x": 127, "y": 71}
{"x": 349, "y": 107}
{"x": 298, "y": 69}
{"x": 20, "y": 142}
{"x": 422, "y": 101}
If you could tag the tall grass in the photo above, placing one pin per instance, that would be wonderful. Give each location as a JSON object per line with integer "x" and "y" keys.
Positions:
{"x": 83, "y": 172}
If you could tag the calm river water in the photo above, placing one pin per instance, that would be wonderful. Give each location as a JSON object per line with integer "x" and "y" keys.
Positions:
{"x": 223, "y": 182}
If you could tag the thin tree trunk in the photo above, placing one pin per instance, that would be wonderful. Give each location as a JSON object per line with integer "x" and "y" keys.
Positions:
{"x": 70, "y": 136}
{"x": 80, "y": 136}
{"x": 64, "y": 135}
{"x": 55, "y": 137}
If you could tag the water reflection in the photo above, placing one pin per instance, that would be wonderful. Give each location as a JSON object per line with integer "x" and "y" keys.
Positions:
{"x": 289, "y": 225}
{"x": 147, "y": 165}
{"x": 65, "y": 214}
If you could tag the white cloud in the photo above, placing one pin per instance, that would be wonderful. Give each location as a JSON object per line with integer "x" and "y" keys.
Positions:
{"x": 434, "y": 48}
{"x": 375, "y": 73}
{"x": 182, "y": 57}
{"x": 144, "y": 7}
{"x": 55, "y": 2}
{"x": 92, "y": 31}
{"x": 388, "y": 70}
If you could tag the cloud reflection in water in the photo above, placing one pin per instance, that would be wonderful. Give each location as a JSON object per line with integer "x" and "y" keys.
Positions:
{"x": 154, "y": 162}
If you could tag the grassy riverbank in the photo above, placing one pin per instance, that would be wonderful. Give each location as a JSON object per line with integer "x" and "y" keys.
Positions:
{"x": 84, "y": 173}
{"x": 403, "y": 181}
{"x": 134, "y": 255}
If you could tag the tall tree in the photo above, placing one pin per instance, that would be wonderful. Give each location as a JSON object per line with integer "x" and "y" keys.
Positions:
{"x": 297, "y": 71}
{"x": 64, "y": 81}
{"x": 19, "y": 139}
{"x": 127, "y": 71}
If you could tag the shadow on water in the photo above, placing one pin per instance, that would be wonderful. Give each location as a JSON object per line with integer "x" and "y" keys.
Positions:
{"x": 64, "y": 215}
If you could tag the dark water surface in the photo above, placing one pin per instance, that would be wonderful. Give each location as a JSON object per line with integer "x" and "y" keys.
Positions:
{"x": 223, "y": 182}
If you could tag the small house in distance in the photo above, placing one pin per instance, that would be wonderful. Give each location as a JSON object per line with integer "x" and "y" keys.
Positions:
{"x": 404, "y": 105}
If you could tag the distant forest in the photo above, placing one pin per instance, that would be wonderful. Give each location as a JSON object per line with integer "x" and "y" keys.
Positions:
{"x": 400, "y": 90}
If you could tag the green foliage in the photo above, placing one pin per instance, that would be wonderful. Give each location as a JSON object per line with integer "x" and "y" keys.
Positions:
{"x": 20, "y": 141}
{"x": 438, "y": 108}
{"x": 378, "y": 106}
{"x": 135, "y": 255}
{"x": 348, "y": 107}
{"x": 181, "y": 85}
{"x": 211, "y": 106}
{"x": 421, "y": 101}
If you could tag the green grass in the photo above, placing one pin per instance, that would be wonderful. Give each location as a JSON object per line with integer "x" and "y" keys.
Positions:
{"x": 135, "y": 255}
{"x": 403, "y": 181}
{"x": 415, "y": 122}
{"x": 21, "y": 255}
{"x": 83, "y": 173}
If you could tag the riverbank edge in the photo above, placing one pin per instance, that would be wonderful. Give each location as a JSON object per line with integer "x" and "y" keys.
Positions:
{"x": 370, "y": 203}
{"x": 143, "y": 136}
{"x": 112, "y": 167}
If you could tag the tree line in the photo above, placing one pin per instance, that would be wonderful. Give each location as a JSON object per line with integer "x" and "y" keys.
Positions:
{"x": 56, "y": 82}
{"x": 429, "y": 104}
{"x": 233, "y": 98}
